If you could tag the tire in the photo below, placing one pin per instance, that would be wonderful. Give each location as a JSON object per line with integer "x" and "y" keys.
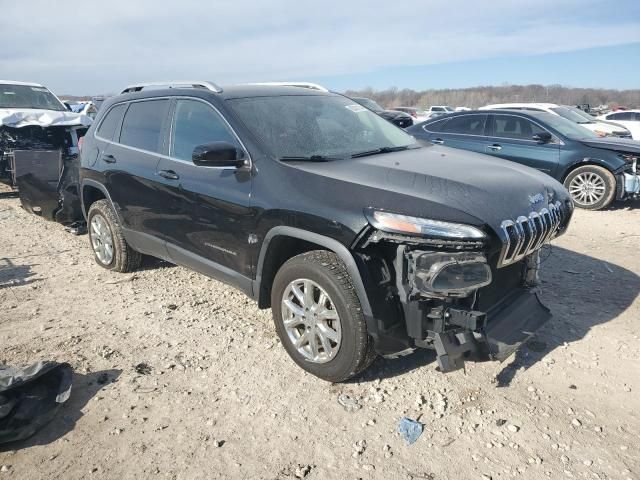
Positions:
{"x": 327, "y": 274}
{"x": 103, "y": 224}
{"x": 591, "y": 187}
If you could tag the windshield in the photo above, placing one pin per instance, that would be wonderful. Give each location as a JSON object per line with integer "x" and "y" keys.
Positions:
{"x": 582, "y": 113}
{"x": 448, "y": 109}
{"x": 564, "y": 112}
{"x": 370, "y": 104}
{"x": 318, "y": 127}
{"x": 566, "y": 127}
{"x": 26, "y": 96}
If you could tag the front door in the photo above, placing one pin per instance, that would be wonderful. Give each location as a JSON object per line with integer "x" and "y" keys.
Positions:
{"x": 463, "y": 131}
{"x": 208, "y": 214}
{"x": 511, "y": 137}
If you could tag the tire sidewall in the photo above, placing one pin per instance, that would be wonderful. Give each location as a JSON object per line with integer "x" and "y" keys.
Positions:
{"x": 342, "y": 365}
{"x": 605, "y": 175}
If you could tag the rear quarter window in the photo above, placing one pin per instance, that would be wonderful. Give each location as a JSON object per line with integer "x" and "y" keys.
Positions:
{"x": 110, "y": 123}
{"x": 143, "y": 124}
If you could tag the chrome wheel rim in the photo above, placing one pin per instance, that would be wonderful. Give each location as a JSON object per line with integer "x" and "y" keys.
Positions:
{"x": 587, "y": 188}
{"x": 101, "y": 239}
{"x": 311, "y": 321}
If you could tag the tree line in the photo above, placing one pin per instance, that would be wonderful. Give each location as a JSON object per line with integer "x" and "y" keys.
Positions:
{"x": 479, "y": 96}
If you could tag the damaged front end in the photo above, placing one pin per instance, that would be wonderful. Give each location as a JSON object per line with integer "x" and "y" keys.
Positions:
{"x": 456, "y": 288}
{"x": 41, "y": 164}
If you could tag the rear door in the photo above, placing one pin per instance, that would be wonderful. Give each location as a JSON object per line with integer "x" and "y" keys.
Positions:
{"x": 208, "y": 208}
{"x": 511, "y": 137}
{"x": 129, "y": 164}
{"x": 462, "y": 131}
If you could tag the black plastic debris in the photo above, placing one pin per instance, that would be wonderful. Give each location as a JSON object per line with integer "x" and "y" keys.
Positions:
{"x": 30, "y": 397}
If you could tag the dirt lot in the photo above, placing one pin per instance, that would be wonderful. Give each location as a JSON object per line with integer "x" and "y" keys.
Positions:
{"x": 220, "y": 398}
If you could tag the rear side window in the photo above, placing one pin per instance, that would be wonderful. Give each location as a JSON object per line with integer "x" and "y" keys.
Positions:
{"x": 110, "y": 123}
{"x": 509, "y": 126}
{"x": 435, "y": 126}
{"x": 142, "y": 125}
{"x": 466, "y": 125}
{"x": 196, "y": 123}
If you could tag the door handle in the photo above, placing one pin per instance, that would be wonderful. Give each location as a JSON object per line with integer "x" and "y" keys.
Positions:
{"x": 437, "y": 141}
{"x": 495, "y": 147}
{"x": 108, "y": 158}
{"x": 169, "y": 174}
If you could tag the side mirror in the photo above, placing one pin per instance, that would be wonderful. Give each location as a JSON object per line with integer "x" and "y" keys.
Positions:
{"x": 217, "y": 154}
{"x": 542, "y": 137}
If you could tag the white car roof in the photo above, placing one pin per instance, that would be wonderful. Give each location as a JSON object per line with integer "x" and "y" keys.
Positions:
{"x": 15, "y": 82}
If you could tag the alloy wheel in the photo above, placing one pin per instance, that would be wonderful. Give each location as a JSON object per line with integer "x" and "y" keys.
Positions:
{"x": 587, "y": 188}
{"x": 101, "y": 239}
{"x": 311, "y": 321}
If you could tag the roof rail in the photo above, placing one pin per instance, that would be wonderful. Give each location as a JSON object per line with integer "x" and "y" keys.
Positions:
{"x": 174, "y": 84}
{"x": 309, "y": 85}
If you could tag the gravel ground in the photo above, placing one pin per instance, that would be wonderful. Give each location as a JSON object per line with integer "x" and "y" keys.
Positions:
{"x": 181, "y": 377}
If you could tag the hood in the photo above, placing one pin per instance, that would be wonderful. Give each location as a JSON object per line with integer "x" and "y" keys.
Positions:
{"x": 444, "y": 184}
{"x": 20, "y": 117}
{"x": 604, "y": 127}
{"x": 611, "y": 143}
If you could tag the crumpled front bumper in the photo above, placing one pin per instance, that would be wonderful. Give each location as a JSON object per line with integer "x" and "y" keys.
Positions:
{"x": 509, "y": 325}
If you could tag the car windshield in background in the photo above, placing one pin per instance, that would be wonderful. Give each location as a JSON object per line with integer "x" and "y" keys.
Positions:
{"x": 26, "y": 96}
{"x": 583, "y": 114}
{"x": 564, "y": 112}
{"x": 566, "y": 127}
{"x": 370, "y": 104}
{"x": 318, "y": 127}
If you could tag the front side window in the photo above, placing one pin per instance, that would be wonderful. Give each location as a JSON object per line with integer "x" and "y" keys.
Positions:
{"x": 109, "y": 125}
{"x": 196, "y": 123}
{"x": 307, "y": 126}
{"x": 466, "y": 125}
{"x": 621, "y": 116}
{"x": 142, "y": 125}
{"x": 27, "y": 96}
{"x": 435, "y": 126}
{"x": 519, "y": 128}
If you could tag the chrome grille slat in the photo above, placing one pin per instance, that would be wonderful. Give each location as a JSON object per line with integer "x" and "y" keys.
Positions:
{"x": 527, "y": 234}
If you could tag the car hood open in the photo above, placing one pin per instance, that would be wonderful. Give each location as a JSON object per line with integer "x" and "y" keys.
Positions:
{"x": 22, "y": 117}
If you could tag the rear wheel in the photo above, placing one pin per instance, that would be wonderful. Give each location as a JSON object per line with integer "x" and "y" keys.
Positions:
{"x": 591, "y": 187}
{"x": 318, "y": 317}
{"x": 109, "y": 247}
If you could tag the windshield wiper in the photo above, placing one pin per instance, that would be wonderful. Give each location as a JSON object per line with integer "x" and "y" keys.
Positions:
{"x": 310, "y": 158}
{"x": 380, "y": 150}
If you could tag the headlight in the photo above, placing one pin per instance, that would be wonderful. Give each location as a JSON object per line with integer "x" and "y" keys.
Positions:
{"x": 396, "y": 223}
{"x": 451, "y": 274}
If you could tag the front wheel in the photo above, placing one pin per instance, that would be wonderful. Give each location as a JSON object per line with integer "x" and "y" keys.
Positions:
{"x": 318, "y": 317}
{"x": 591, "y": 187}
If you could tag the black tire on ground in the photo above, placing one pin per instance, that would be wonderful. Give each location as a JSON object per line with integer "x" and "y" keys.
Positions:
{"x": 125, "y": 259}
{"x": 324, "y": 268}
{"x": 598, "y": 176}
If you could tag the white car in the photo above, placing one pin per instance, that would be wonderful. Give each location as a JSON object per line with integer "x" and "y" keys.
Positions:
{"x": 600, "y": 128}
{"x": 437, "y": 110}
{"x": 630, "y": 119}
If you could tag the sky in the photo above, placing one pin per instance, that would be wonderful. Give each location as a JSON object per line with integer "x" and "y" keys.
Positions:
{"x": 97, "y": 47}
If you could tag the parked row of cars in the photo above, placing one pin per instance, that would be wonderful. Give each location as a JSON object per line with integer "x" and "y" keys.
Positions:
{"x": 364, "y": 239}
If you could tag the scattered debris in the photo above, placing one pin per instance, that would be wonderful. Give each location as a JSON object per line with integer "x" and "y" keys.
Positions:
{"x": 302, "y": 471}
{"x": 500, "y": 422}
{"x": 349, "y": 403}
{"x": 31, "y": 397}
{"x": 410, "y": 430}
{"x": 142, "y": 369}
{"x": 513, "y": 428}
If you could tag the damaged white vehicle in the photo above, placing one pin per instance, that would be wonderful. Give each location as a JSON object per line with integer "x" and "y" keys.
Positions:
{"x": 39, "y": 149}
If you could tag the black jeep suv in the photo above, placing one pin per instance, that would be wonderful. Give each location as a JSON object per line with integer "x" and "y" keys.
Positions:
{"x": 361, "y": 241}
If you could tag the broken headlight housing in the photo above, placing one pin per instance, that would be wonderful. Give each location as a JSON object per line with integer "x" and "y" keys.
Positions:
{"x": 408, "y": 225}
{"x": 442, "y": 274}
